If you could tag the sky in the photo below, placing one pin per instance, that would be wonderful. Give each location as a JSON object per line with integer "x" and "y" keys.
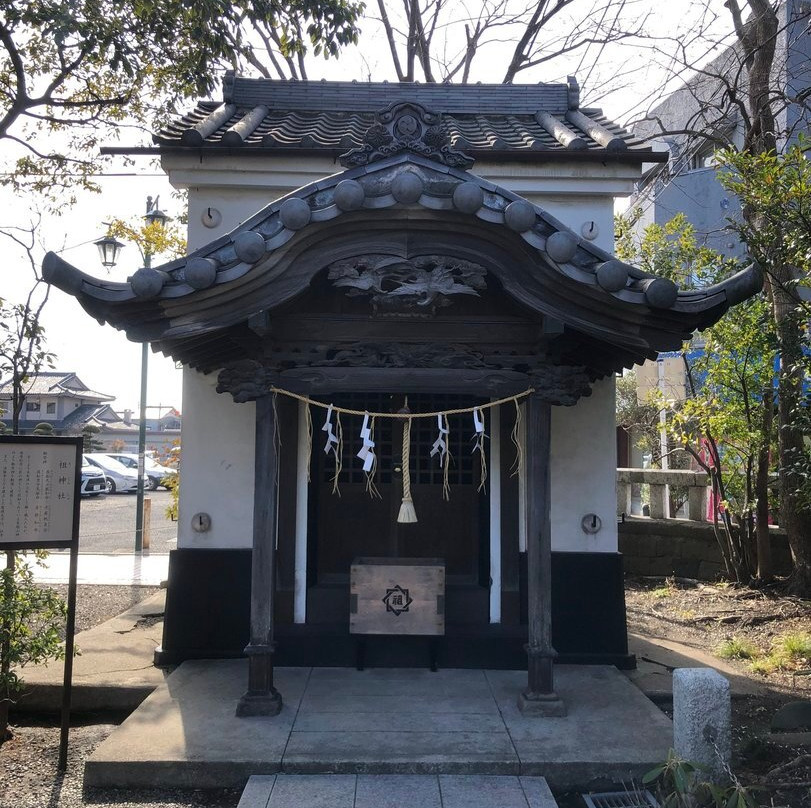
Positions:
{"x": 101, "y": 356}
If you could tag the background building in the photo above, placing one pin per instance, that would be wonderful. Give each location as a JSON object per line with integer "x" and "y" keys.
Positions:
{"x": 702, "y": 115}
{"x": 64, "y": 401}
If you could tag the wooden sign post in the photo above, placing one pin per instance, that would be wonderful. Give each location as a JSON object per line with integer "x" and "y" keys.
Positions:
{"x": 40, "y": 492}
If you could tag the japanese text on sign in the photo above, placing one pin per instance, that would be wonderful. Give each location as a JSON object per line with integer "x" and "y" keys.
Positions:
{"x": 37, "y": 489}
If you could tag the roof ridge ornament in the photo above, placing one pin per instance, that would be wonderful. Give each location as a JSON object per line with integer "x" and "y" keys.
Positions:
{"x": 406, "y": 126}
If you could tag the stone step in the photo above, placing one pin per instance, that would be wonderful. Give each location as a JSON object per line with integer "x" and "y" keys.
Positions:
{"x": 395, "y": 791}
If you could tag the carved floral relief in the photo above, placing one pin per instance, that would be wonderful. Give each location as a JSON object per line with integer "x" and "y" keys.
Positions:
{"x": 398, "y": 285}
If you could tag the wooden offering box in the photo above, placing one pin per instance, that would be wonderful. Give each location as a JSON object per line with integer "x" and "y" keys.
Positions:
{"x": 397, "y": 596}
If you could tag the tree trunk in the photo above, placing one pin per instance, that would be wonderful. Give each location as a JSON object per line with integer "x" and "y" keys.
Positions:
{"x": 5, "y": 652}
{"x": 794, "y": 520}
{"x": 16, "y": 403}
{"x": 764, "y": 546}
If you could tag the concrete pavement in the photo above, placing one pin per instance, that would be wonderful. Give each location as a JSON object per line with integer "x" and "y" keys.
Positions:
{"x": 382, "y": 721}
{"x": 146, "y": 569}
{"x": 114, "y": 669}
{"x": 395, "y": 791}
{"x": 107, "y": 523}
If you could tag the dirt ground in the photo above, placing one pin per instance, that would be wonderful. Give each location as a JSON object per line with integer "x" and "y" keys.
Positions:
{"x": 709, "y": 615}
{"x": 692, "y": 613}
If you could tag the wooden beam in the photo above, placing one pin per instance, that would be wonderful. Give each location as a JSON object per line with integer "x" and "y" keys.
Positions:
{"x": 539, "y": 698}
{"x": 493, "y": 383}
{"x": 262, "y": 698}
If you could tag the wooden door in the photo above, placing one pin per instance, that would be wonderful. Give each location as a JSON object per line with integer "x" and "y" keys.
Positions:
{"x": 350, "y": 523}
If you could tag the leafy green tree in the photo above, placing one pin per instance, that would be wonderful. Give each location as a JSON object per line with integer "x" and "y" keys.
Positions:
{"x": 670, "y": 250}
{"x": 43, "y": 428}
{"x": 775, "y": 194}
{"x": 72, "y": 72}
{"x": 32, "y": 620}
{"x": 725, "y": 421}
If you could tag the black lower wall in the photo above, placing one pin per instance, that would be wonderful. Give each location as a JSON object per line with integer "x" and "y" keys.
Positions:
{"x": 208, "y": 611}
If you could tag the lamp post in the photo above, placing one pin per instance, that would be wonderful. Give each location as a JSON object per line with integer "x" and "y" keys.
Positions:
{"x": 109, "y": 249}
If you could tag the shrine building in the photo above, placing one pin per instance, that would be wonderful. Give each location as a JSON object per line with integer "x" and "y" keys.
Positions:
{"x": 362, "y": 255}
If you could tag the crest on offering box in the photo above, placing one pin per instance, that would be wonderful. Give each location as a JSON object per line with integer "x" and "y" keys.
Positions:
{"x": 397, "y": 600}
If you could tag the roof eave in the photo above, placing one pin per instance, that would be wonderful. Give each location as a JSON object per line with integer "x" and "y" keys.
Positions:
{"x": 627, "y": 156}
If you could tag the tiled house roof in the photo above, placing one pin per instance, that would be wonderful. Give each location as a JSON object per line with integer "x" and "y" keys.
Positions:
{"x": 56, "y": 383}
{"x": 520, "y": 122}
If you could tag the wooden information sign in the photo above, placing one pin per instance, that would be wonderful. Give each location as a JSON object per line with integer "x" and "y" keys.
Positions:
{"x": 40, "y": 493}
{"x": 397, "y": 596}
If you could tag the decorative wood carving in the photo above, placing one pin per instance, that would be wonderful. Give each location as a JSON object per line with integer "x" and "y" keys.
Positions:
{"x": 405, "y": 355}
{"x": 456, "y": 370}
{"x": 246, "y": 380}
{"x": 475, "y": 382}
{"x": 560, "y": 384}
{"x": 401, "y": 286}
{"x": 406, "y": 126}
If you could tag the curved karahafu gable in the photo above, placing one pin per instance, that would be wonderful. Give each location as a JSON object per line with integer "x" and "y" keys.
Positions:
{"x": 409, "y": 206}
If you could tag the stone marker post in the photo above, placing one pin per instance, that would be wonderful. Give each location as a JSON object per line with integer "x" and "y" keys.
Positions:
{"x": 702, "y": 716}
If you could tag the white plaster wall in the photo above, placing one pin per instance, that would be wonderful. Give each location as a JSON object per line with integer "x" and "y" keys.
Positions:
{"x": 218, "y": 434}
{"x": 584, "y": 477}
{"x": 217, "y": 465}
{"x": 237, "y": 189}
{"x": 575, "y": 212}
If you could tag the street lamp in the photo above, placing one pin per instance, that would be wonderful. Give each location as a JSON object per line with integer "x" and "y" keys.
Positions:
{"x": 154, "y": 214}
{"x": 109, "y": 249}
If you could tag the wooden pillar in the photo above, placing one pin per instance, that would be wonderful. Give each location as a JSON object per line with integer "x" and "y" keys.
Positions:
{"x": 539, "y": 698}
{"x": 262, "y": 698}
{"x": 302, "y": 502}
{"x": 495, "y": 514}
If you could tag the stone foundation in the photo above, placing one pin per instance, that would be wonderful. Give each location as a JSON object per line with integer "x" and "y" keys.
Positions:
{"x": 687, "y": 549}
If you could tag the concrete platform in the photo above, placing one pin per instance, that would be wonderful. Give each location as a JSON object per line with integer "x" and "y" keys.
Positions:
{"x": 114, "y": 670}
{"x": 383, "y": 721}
{"x": 395, "y": 791}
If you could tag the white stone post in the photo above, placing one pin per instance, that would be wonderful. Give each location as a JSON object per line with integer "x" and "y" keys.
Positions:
{"x": 623, "y": 492}
{"x": 658, "y": 501}
{"x": 702, "y": 717}
{"x": 697, "y": 503}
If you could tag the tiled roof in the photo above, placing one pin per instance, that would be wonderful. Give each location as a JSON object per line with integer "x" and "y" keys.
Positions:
{"x": 56, "y": 383}
{"x": 45, "y": 383}
{"x": 80, "y": 416}
{"x": 529, "y": 122}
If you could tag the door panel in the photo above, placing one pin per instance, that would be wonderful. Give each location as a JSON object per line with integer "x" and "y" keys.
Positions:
{"x": 354, "y": 524}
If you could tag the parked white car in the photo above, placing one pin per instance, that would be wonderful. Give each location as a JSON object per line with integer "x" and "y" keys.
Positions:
{"x": 93, "y": 480}
{"x": 154, "y": 472}
{"x": 119, "y": 477}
